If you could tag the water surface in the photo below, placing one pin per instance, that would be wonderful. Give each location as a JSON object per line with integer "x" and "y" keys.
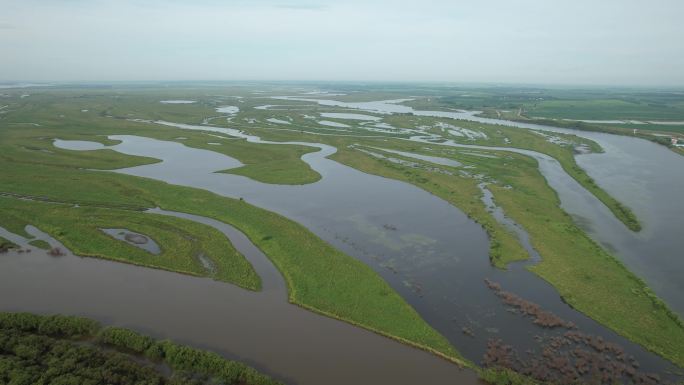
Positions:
{"x": 646, "y": 177}
{"x": 261, "y": 329}
{"x": 428, "y": 250}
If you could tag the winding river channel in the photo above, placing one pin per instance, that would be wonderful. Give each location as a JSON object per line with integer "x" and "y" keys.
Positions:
{"x": 259, "y": 328}
{"x": 428, "y": 250}
{"x": 645, "y": 176}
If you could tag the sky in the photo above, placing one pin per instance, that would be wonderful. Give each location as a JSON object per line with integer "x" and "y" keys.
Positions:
{"x": 599, "y": 42}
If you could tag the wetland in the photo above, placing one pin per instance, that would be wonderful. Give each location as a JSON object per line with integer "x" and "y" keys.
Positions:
{"x": 483, "y": 241}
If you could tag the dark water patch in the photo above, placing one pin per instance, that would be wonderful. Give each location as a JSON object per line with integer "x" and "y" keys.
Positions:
{"x": 138, "y": 240}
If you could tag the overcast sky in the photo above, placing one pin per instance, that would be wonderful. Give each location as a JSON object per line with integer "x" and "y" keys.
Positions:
{"x": 627, "y": 42}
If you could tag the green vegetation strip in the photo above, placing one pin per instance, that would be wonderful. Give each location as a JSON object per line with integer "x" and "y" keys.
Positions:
{"x": 58, "y": 349}
{"x": 41, "y": 244}
{"x": 319, "y": 277}
{"x": 571, "y": 261}
{"x": 6, "y": 244}
{"x": 183, "y": 241}
{"x": 527, "y": 139}
{"x": 268, "y": 163}
{"x": 463, "y": 193}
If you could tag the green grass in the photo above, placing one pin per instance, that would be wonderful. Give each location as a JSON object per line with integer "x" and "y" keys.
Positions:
{"x": 182, "y": 241}
{"x": 461, "y": 192}
{"x": 39, "y": 243}
{"x": 571, "y": 261}
{"x": 527, "y": 139}
{"x": 319, "y": 277}
{"x": 7, "y": 244}
{"x": 268, "y": 163}
{"x": 263, "y": 162}
{"x": 501, "y": 376}
{"x": 579, "y": 268}
{"x": 551, "y": 106}
{"x": 648, "y": 128}
{"x": 497, "y": 136}
{"x": 604, "y": 109}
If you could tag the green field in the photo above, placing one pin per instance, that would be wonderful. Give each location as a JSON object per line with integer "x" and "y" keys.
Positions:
{"x": 183, "y": 242}
{"x": 606, "y": 109}
{"x": 565, "y": 107}
{"x": 39, "y": 243}
{"x": 6, "y": 244}
{"x": 572, "y": 262}
{"x": 319, "y": 277}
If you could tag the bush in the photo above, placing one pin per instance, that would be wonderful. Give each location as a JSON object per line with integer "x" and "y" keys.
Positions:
{"x": 501, "y": 376}
{"x": 55, "y": 325}
{"x": 126, "y": 339}
{"x": 35, "y": 347}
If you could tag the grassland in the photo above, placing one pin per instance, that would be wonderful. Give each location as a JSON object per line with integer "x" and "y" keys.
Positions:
{"x": 319, "y": 277}
{"x": 565, "y": 154}
{"x": 463, "y": 193}
{"x": 6, "y": 244}
{"x": 606, "y": 109}
{"x": 567, "y": 107}
{"x": 497, "y": 135}
{"x": 262, "y": 162}
{"x": 504, "y": 136}
{"x": 572, "y": 262}
{"x": 39, "y": 243}
{"x": 568, "y": 103}
{"x": 183, "y": 242}
{"x": 268, "y": 163}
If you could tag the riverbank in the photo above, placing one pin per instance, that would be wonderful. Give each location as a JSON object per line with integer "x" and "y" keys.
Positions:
{"x": 319, "y": 276}
{"x": 664, "y": 138}
{"x": 36, "y": 349}
{"x": 571, "y": 261}
{"x": 260, "y": 329}
{"x": 187, "y": 247}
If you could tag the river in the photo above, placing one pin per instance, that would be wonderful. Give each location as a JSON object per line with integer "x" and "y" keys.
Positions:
{"x": 428, "y": 250}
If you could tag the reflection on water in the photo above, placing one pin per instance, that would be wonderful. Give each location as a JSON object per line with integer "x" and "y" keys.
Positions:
{"x": 428, "y": 250}
{"x": 261, "y": 329}
{"x": 78, "y": 145}
{"x": 645, "y": 176}
{"x": 134, "y": 239}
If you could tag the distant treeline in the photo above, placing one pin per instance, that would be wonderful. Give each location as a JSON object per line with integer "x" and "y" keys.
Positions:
{"x": 64, "y": 350}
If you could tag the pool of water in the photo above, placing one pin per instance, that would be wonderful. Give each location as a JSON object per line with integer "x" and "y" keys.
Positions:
{"x": 134, "y": 239}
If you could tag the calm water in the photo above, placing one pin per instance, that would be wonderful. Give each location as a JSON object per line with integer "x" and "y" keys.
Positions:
{"x": 261, "y": 329}
{"x": 645, "y": 176}
{"x": 134, "y": 239}
{"x": 428, "y": 250}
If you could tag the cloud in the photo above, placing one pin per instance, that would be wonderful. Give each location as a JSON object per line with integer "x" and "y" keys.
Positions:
{"x": 529, "y": 41}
